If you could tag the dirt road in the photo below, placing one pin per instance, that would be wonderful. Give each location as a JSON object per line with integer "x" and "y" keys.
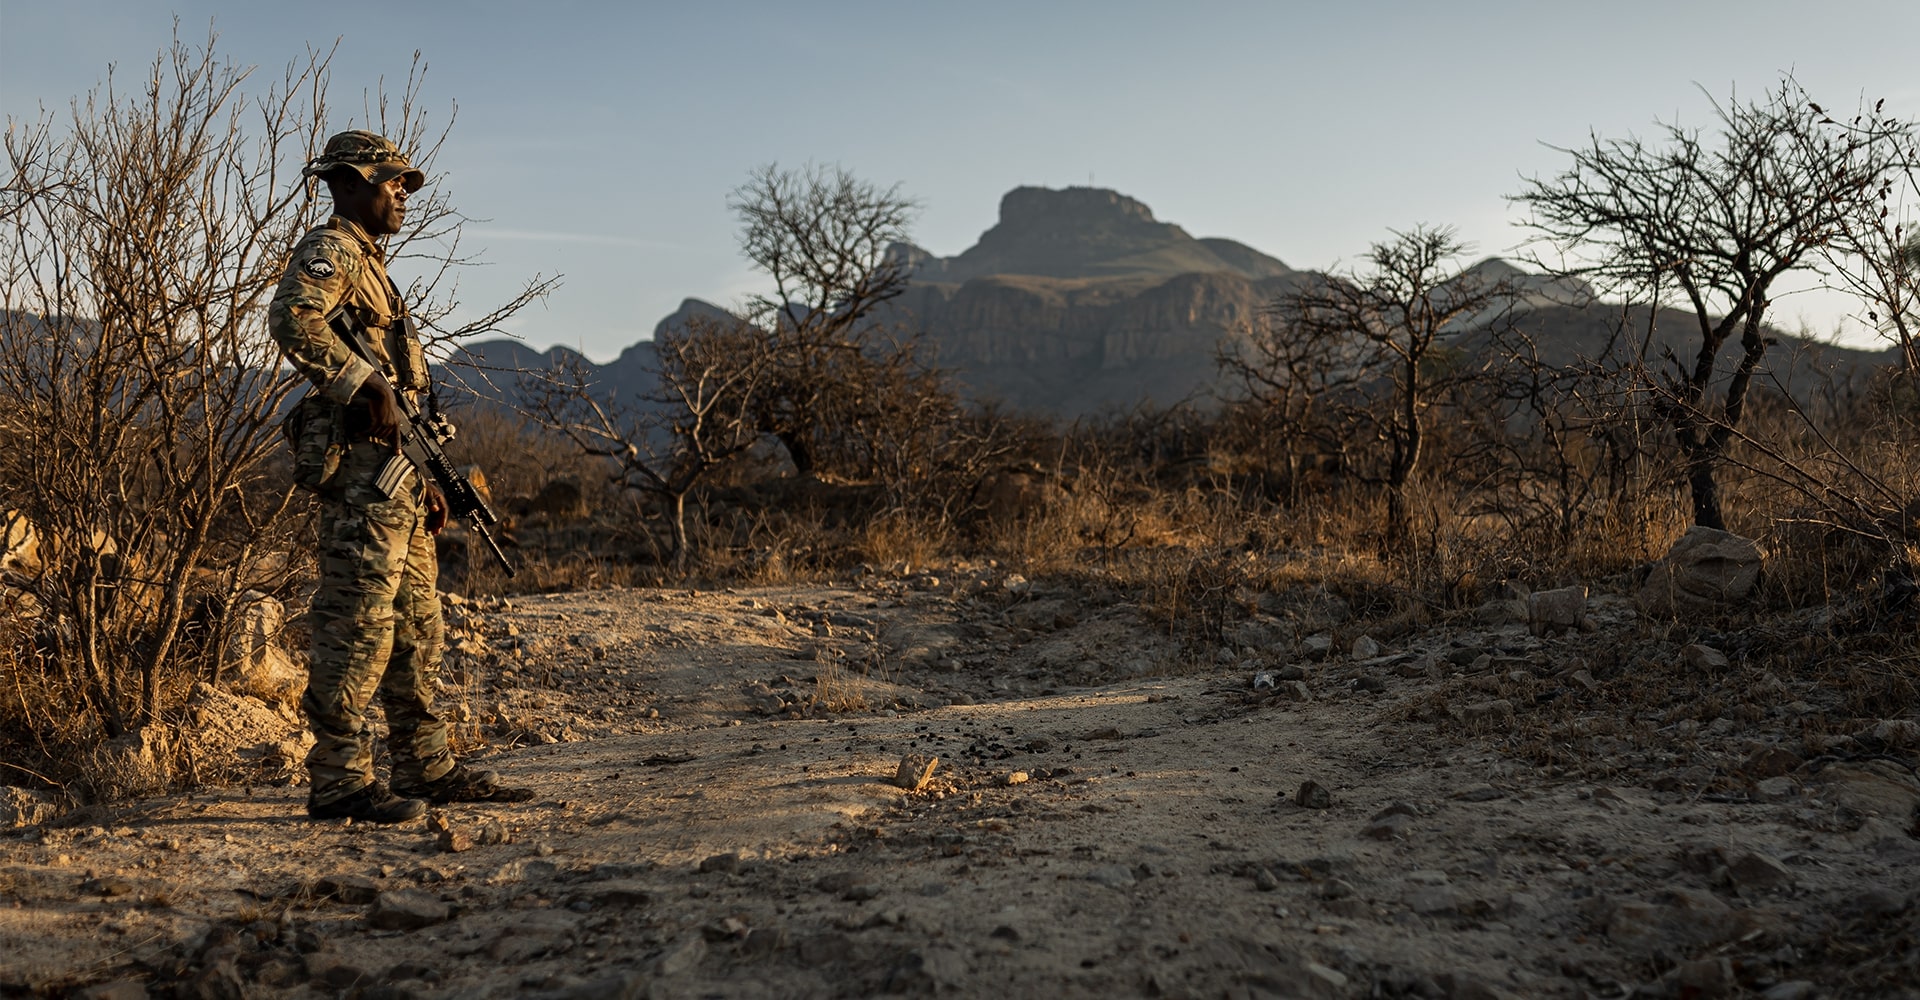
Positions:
{"x": 1111, "y": 814}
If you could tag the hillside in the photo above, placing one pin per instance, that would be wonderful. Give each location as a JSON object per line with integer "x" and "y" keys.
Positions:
{"x": 1078, "y": 301}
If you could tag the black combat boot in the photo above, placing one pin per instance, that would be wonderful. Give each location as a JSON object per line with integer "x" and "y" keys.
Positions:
{"x": 466, "y": 784}
{"x": 372, "y": 804}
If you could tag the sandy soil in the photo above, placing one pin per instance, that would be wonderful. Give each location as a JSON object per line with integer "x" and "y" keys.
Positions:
{"x": 1111, "y": 815}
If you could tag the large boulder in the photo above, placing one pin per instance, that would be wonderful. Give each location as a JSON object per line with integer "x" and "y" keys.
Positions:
{"x": 1705, "y": 570}
{"x": 1552, "y": 612}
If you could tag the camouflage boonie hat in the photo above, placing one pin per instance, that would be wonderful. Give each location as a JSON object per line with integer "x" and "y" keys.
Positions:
{"x": 377, "y": 159}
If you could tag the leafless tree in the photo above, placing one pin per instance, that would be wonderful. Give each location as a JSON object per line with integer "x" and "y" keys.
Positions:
{"x": 141, "y": 234}
{"x": 1397, "y": 319}
{"x": 1713, "y": 221}
{"x": 1875, "y": 247}
{"x": 821, "y": 237}
{"x": 1304, "y": 384}
{"x": 666, "y": 443}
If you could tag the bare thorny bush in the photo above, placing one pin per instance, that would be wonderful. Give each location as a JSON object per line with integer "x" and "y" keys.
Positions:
{"x": 814, "y": 365}
{"x": 141, "y": 234}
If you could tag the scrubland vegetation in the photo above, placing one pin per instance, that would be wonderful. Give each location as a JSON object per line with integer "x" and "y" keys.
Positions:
{"x": 1401, "y": 436}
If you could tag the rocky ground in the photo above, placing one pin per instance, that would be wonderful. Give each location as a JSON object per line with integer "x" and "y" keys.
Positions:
{"x": 733, "y": 801}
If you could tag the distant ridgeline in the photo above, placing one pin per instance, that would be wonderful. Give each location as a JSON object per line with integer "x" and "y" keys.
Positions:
{"x": 1079, "y": 301}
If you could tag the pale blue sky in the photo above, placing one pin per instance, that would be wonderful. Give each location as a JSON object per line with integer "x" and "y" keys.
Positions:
{"x": 600, "y": 140}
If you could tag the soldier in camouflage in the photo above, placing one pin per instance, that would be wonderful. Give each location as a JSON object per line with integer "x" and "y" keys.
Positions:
{"x": 376, "y": 612}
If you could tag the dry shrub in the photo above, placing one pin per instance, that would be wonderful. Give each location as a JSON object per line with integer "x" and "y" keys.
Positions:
{"x": 901, "y": 537}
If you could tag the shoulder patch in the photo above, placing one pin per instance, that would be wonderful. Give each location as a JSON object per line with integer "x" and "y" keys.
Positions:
{"x": 318, "y": 267}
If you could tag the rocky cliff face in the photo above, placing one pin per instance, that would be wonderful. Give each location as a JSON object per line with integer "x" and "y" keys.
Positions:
{"x": 1079, "y": 299}
{"x": 1087, "y": 233}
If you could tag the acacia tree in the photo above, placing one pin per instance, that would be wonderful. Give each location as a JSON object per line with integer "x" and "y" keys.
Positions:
{"x": 141, "y": 235}
{"x": 1395, "y": 318}
{"x": 1710, "y": 223}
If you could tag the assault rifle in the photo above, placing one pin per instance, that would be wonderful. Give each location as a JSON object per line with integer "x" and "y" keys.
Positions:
{"x": 420, "y": 439}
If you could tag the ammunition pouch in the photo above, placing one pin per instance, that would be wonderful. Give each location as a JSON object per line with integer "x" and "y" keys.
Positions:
{"x": 316, "y": 431}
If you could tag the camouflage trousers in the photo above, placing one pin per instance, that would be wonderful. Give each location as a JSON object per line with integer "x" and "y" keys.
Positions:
{"x": 376, "y": 628}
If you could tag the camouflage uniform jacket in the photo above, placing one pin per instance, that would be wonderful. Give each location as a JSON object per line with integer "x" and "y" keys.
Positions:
{"x": 339, "y": 264}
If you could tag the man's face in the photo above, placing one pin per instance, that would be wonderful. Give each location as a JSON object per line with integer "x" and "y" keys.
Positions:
{"x": 379, "y": 208}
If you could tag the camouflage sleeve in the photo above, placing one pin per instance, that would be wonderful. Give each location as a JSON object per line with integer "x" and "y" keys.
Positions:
{"x": 321, "y": 270}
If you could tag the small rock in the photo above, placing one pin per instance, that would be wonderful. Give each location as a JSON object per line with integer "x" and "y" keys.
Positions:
{"x": 724, "y": 864}
{"x": 1311, "y": 795}
{"x": 1113, "y": 876}
{"x": 1425, "y": 666}
{"x": 1365, "y": 648}
{"x": 682, "y": 958}
{"x": 1391, "y": 827}
{"x": 1552, "y": 612}
{"x": 915, "y": 771}
{"x": 1879, "y": 901}
{"x": 107, "y": 885}
{"x": 455, "y": 841}
{"x": 837, "y": 883}
{"x": 1754, "y": 870}
{"x": 1487, "y": 716}
{"x": 823, "y": 949}
{"x": 1771, "y": 762}
{"x": 337, "y": 971}
{"x": 1479, "y": 793}
{"x": 1896, "y": 732}
{"x": 406, "y": 910}
{"x": 1702, "y": 659}
{"x": 1334, "y": 888}
{"x": 619, "y": 892}
{"x": 1433, "y": 901}
{"x": 1774, "y": 789}
{"x": 517, "y": 945}
{"x": 1316, "y": 647}
{"x": 1264, "y": 880}
{"x": 1017, "y": 778}
{"x": 356, "y": 890}
{"x": 1323, "y": 981}
{"x": 1502, "y": 611}
{"x": 1703, "y": 978}
{"x": 1794, "y": 989}
{"x": 1397, "y": 808}
{"x": 1103, "y": 733}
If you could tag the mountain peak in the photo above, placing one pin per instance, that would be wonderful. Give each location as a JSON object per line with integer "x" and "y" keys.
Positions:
{"x": 1086, "y": 232}
{"x": 1083, "y": 206}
